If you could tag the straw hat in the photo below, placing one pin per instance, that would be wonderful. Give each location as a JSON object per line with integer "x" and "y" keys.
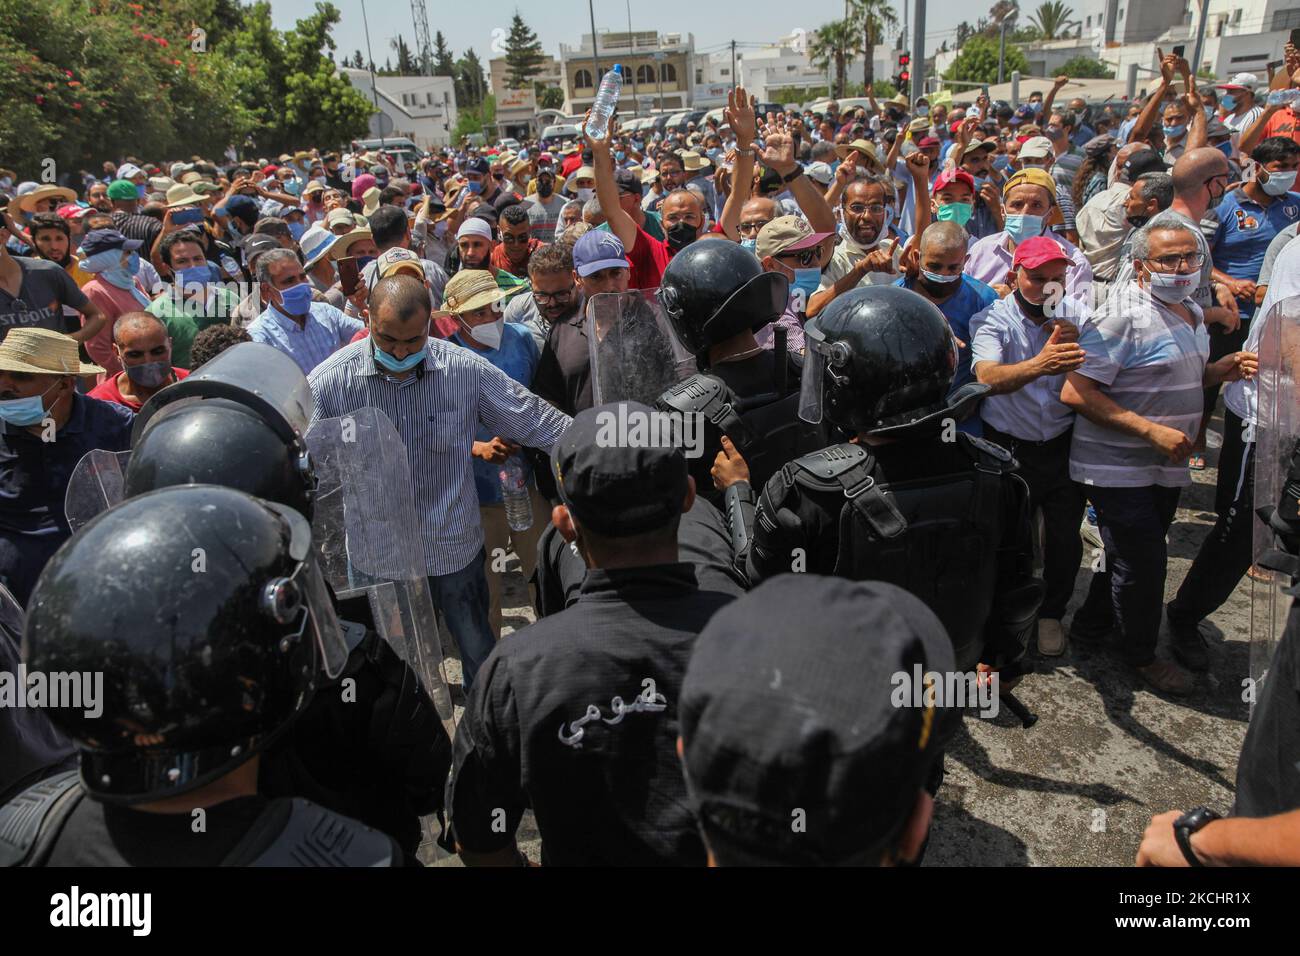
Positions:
{"x": 25, "y": 202}
{"x": 471, "y": 289}
{"x": 42, "y": 352}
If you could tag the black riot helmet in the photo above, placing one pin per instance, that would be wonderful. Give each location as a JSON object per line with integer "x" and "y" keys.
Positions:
{"x": 880, "y": 360}
{"x": 714, "y": 290}
{"x": 239, "y": 421}
{"x": 204, "y": 612}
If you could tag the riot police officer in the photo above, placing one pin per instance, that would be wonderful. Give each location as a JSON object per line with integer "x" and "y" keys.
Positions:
{"x": 372, "y": 747}
{"x": 196, "y": 623}
{"x": 909, "y": 500}
{"x": 716, "y": 296}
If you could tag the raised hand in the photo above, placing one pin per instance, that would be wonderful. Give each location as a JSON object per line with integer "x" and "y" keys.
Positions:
{"x": 739, "y": 113}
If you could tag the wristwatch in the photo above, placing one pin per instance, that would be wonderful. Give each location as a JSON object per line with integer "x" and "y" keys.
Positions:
{"x": 798, "y": 171}
{"x": 1189, "y": 823}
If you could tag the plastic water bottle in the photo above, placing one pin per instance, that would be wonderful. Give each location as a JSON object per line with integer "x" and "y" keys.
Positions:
{"x": 514, "y": 494}
{"x": 1281, "y": 97}
{"x": 611, "y": 85}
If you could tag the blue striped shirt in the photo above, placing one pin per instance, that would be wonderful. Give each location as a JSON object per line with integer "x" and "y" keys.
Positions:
{"x": 325, "y": 332}
{"x": 1151, "y": 362}
{"x": 437, "y": 414}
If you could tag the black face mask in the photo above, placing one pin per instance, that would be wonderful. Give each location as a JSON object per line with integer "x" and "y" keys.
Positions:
{"x": 680, "y": 235}
{"x": 544, "y": 189}
{"x": 1036, "y": 311}
{"x": 1137, "y": 222}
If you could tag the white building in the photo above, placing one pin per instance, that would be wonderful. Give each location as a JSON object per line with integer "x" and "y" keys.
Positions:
{"x": 658, "y": 70}
{"x": 421, "y": 108}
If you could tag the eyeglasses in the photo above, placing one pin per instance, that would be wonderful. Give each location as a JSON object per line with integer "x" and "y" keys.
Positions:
{"x": 753, "y": 226}
{"x": 875, "y": 208}
{"x": 1172, "y": 261}
{"x": 552, "y": 296}
{"x": 805, "y": 257}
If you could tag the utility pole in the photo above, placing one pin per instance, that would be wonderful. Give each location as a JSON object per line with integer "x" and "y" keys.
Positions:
{"x": 1002, "y": 49}
{"x": 1200, "y": 39}
{"x": 595, "y": 63}
{"x": 918, "y": 52}
{"x": 631, "y": 46}
{"x": 374, "y": 90}
{"x": 733, "y": 62}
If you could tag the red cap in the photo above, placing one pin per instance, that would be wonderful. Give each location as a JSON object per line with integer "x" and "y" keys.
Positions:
{"x": 927, "y": 142}
{"x": 950, "y": 176}
{"x": 1034, "y": 252}
{"x": 268, "y": 170}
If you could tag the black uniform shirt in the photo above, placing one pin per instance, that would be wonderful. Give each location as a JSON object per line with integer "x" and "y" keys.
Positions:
{"x": 563, "y": 375}
{"x": 576, "y": 717}
{"x": 1268, "y": 771}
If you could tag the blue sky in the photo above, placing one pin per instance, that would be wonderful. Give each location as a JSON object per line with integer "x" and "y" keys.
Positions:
{"x": 477, "y": 23}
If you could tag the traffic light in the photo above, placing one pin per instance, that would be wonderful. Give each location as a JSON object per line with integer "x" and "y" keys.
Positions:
{"x": 904, "y": 72}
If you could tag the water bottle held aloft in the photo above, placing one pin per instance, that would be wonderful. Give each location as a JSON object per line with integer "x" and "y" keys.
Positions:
{"x": 611, "y": 87}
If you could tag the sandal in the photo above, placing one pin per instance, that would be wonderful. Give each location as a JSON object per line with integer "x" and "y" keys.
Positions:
{"x": 1196, "y": 462}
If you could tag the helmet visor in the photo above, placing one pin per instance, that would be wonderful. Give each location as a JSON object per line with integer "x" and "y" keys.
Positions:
{"x": 817, "y": 354}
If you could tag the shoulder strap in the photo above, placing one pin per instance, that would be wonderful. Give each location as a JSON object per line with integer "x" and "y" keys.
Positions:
{"x": 708, "y": 395}
{"x": 32, "y": 821}
{"x": 312, "y": 836}
{"x": 991, "y": 462}
{"x": 851, "y": 467}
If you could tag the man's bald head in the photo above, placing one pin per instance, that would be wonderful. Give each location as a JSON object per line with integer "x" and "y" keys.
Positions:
{"x": 1193, "y": 171}
{"x": 759, "y": 207}
{"x": 400, "y": 299}
{"x": 129, "y": 325}
{"x": 943, "y": 237}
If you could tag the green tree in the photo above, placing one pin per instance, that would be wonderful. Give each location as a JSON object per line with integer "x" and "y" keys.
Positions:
{"x": 444, "y": 62}
{"x": 832, "y": 45}
{"x": 549, "y": 97}
{"x": 873, "y": 18}
{"x": 1052, "y": 19}
{"x": 964, "y": 32}
{"x": 407, "y": 65}
{"x": 524, "y": 56}
{"x": 470, "y": 88}
{"x": 475, "y": 118}
{"x": 1084, "y": 67}
{"x": 978, "y": 61}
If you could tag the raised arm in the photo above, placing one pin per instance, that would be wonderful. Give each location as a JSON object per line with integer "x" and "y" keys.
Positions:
{"x": 1146, "y": 119}
{"x": 620, "y": 223}
{"x": 740, "y": 114}
{"x": 778, "y": 154}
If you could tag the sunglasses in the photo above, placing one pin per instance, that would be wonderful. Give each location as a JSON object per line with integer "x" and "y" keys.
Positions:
{"x": 805, "y": 257}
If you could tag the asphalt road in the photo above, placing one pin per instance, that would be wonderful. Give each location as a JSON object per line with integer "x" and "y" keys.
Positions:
{"x": 1077, "y": 788}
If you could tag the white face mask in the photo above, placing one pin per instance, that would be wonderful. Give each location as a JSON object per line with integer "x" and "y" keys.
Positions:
{"x": 1172, "y": 287}
{"x": 489, "y": 334}
{"x": 1278, "y": 183}
{"x": 586, "y": 194}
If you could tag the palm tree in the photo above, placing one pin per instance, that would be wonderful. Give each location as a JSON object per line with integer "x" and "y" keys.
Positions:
{"x": 834, "y": 42}
{"x": 1052, "y": 19}
{"x": 872, "y": 18}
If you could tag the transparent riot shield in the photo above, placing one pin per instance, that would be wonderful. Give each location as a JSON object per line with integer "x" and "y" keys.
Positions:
{"x": 95, "y": 486}
{"x": 1276, "y": 434}
{"x": 634, "y": 354}
{"x": 368, "y": 540}
{"x": 30, "y": 746}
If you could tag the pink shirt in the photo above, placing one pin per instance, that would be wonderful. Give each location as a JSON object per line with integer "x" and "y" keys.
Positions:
{"x": 114, "y": 303}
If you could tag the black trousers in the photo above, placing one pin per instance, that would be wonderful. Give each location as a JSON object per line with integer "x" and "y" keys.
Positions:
{"x": 1225, "y": 553}
{"x": 1045, "y": 466}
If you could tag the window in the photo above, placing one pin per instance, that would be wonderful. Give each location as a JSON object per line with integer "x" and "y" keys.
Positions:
{"x": 1286, "y": 19}
{"x": 668, "y": 73}
{"x": 428, "y": 99}
{"x": 699, "y": 77}
{"x": 1087, "y": 21}
{"x": 1121, "y": 14}
{"x": 582, "y": 80}
{"x": 645, "y": 73}
{"x": 726, "y": 71}
{"x": 1249, "y": 58}
{"x": 1236, "y": 16}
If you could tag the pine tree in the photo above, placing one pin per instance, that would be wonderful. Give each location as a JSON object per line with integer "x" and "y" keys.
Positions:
{"x": 444, "y": 62}
{"x": 469, "y": 79}
{"x": 524, "y": 56}
{"x": 406, "y": 63}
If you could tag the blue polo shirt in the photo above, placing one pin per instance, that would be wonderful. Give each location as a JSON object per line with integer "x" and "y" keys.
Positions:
{"x": 1245, "y": 230}
{"x": 34, "y": 478}
{"x": 973, "y": 297}
{"x": 517, "y": 357}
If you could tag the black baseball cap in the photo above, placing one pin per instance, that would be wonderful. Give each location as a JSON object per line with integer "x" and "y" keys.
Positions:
{"x": 101, "y": 240}
{"x": 1142, "y": 161}
{"x": 616, "y": 487}
{"x": 627, "y": 181}
{"x": 791, "y": 703}
{"x": 478, "y": 165}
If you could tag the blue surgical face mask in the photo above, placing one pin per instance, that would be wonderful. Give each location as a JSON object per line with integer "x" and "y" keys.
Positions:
{"x": 806, "y": 281}
{"x": 296, "y": 229}
{"x": 293, "y": 187}
{"x": 384, "y": 360}
{"x": 750, "y": 244}
{"x": 23, "y": 412}
{"x": 1022, "y": 227}
{"x": 1229, "y": 103}
{"x": 139, "y": 190}
{"x": 939, "y": 279}
{"x": 194, "y": 275}
{"x": 1173, "y": 132}
{"x": 474, "y": 188}
{"x": 1225, "y": 148}
{"x": 620, "y": 155}
{"x": 296, "y": 300}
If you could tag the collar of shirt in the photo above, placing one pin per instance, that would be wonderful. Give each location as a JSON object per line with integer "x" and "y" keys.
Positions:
{"x": 648, "y": 581}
